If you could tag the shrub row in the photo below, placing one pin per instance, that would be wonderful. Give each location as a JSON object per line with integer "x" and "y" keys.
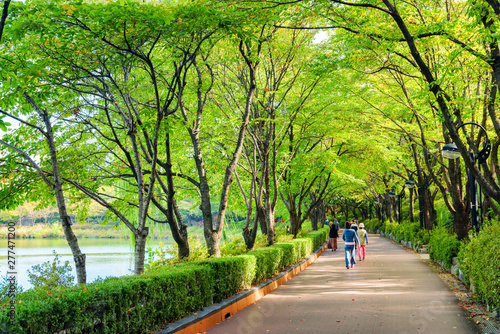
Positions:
{"x": 137, "y": 304}
{"x": 410, "y": 232}
{"x": 373, "y": 224}
{"x": 443, "y": 246}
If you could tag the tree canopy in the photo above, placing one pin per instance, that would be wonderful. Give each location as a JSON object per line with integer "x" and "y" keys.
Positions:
{"x": 236, "y": 105}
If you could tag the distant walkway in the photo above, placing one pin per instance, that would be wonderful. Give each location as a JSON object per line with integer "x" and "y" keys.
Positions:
{"x": 392, "y": 291}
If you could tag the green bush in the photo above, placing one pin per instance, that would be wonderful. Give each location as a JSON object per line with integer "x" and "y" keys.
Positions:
{"x": 443, "y": 246}
{"x": 290, "y": 253}
{"x": 317, "y": 239}
{"x": 399, "y": 231}
{"x": 267, "y": 263}
{"x": 480, "y": 263}
{"x": 373, "y": 224}
{"x": 389, "y": 228}
{"x": 411, "y": 232}
{"x": 230, "y": 274}
{"x": 117, "y": 305}
{"x": 51, "y": 274}
{"x": 422, "y": 237}
{"x": 302, "y": 245}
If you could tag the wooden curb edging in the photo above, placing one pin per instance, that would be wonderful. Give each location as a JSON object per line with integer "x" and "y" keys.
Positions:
{"x": 213, "y": 314}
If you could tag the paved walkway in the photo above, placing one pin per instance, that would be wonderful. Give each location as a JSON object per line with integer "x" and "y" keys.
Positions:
{"x": 392, "y": 291}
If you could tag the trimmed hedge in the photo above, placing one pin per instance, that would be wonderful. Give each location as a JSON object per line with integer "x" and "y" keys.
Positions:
{"x": 405, "y": 231}
{"x": 267, "y": 262}
{"x": 230, "y": 274}
{"x": 144, "y": 303}
{"x": 118, "y": 305}
{"x": 290, "y": 253}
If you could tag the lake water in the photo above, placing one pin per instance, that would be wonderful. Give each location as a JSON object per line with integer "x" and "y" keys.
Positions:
{"x": 105, "y": 257}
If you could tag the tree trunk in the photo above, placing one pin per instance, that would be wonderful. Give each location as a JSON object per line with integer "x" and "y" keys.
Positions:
{"x": 345, "y": 208}
{"x": 461, "y": 222}
{"x": 430, "y": 211}
{"x": 78, "y": 256}
{"x": 388, "y": 207}
{"x": 314, "y": 218}
{"x": 249, "y": 234}
{"x": 294, "y": 219}
{"x": 140, "y": 249}
{"x": 261, "y": 219}
{"x": 174, "y": 218}
{"x": 181, "y": 235}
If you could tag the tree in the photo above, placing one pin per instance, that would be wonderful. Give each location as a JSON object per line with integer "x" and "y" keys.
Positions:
{"x": 125, "y": 88}
{"x": 17, "y": 84}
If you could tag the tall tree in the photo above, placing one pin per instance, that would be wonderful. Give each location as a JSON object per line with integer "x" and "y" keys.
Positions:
{"x": 22, "y": 93}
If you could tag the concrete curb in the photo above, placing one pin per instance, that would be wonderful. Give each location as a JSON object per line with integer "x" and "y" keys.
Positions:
{"x": 213, "y": 314}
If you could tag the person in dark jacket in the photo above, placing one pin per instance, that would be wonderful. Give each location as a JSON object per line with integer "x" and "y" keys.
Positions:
{"x": 333, "y": 236}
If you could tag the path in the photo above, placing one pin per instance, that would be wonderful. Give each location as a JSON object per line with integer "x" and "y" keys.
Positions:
{"x": 392, "y": 291}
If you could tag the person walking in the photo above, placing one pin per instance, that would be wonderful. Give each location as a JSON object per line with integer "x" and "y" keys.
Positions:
{"x": 333, "y": 236}
{"x": 363, "y": 241}
{"x": 336, "y": 223}
{"x": 351, "y": 239}
{"x": 354, "y": 225}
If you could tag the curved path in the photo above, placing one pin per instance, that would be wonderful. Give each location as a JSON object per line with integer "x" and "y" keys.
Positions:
{"x": 392, "y": 291}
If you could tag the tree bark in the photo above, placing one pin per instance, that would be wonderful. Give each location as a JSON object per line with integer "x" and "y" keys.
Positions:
{"x": 140, "y": 250}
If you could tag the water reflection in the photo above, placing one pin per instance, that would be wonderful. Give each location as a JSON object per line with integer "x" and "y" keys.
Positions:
{"x": 105, "y": 257}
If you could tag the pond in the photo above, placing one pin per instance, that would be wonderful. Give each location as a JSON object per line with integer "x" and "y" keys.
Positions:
{"x": 105, "y": 257}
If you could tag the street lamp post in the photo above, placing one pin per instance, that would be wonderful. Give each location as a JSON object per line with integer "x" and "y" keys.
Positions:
{"x": 450, "y": 151}
{"x": 410, "y": 184}
{"x": 377, "y": 202}
{"x": 401, "y": 195}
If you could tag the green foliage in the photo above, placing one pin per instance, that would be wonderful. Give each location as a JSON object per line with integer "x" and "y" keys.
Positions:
{"x": 117, "y": 305}
{"x": 443, "y": 246}
{"x": 290, "y": 253}
{"x": 168, "y": 255}
{"x": 234, "y": 245}
{"x": 423, "y": 237}
{"x": 50, "y": 275}
{"x": 231, "y": 274}
{"x": 389, "y": 228}
{"x": 479, "y": 260}
{"x": 267, "y": 262}
{"x": 405, "y": 231}
{"x": 373, "y": 224}
{"x": 5, "y": 288}
{"x": 410, "y": 232}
